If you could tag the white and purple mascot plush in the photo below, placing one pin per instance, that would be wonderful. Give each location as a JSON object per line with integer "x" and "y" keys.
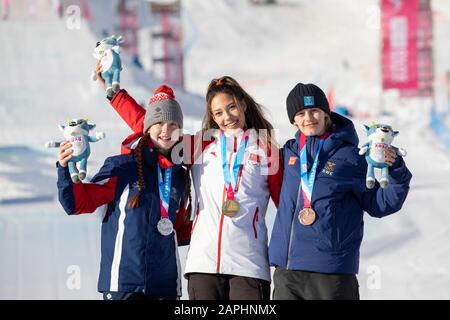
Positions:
{"x": 77, "y": 133}
{"x": 380, "y": 137}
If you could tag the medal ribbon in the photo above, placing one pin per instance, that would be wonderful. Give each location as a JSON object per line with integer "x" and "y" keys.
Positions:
{"x": 237, "y": 165}
{"x": 164, "y": 190}
{"x": 307, "y": 180}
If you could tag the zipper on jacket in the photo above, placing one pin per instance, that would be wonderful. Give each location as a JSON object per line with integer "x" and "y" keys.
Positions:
{"x": 219, "y": 240}
{"x": 299, "y": 192}
{"x": 222, "y": 216}
{"x": 255, "y": 220}
{"x": 290, "y": 242}
{"x": 219, "y": 244}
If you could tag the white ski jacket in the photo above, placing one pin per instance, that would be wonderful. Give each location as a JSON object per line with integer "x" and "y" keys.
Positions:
{"x": 232, "y": 245}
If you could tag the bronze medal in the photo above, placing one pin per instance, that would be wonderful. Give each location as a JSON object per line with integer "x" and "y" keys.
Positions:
{"x": 307, "y": 216}
{"x": 230, "y": 208}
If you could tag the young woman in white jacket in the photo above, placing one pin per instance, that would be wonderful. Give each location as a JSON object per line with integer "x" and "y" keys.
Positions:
{"x": 227, "y": 258}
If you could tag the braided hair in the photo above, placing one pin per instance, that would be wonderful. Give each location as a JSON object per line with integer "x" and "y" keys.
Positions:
{"x": 134, "y": 202}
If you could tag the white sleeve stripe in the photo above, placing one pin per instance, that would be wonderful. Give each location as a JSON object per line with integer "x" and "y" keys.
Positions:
{"x": 115, "y": 266}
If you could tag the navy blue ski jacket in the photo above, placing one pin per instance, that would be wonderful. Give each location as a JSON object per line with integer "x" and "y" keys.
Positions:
{"x": 135, "y": 257}
{"x": 340, "y": 197}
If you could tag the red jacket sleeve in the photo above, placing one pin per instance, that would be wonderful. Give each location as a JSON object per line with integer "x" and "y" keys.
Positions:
{"x": 129, "y": 110}
{"x": 89, "y": 196}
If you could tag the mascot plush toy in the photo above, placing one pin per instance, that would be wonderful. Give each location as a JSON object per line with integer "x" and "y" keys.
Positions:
{"x": 77, "y": 133}
{"x": 380, "y": 137}
{"x": 107, "y": 51}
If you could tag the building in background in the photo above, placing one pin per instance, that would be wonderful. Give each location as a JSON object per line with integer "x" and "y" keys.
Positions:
{"x": 167, "y": 42}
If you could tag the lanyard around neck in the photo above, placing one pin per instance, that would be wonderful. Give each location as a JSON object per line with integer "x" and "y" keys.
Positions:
{"x": 164, "y": 184}
{"x": 237, "y": 165}
{"x": 308, "y": 179}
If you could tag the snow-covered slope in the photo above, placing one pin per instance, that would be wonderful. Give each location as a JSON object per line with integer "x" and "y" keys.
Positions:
{"x": 45, "y": 80}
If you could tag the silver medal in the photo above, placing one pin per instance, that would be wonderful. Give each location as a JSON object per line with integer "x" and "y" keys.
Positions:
{"x": 165, "y": 226}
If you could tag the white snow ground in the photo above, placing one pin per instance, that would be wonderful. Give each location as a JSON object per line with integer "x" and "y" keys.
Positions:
{"x": 45, "y": 80}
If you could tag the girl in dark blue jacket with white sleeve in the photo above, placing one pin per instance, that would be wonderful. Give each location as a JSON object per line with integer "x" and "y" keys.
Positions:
{"x": 318, "y": 229}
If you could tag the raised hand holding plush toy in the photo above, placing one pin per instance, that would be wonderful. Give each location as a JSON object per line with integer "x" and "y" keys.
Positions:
{"x": 77, "y": 133}
{"x": 107, "y": 51}
{"x": 380, "y": 138}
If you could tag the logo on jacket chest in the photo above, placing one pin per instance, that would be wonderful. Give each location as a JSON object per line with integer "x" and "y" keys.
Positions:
{"x": 329, "y": 168}
{"x": 292, "y": 161}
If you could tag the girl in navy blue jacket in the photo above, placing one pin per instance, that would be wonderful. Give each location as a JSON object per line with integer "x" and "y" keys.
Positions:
{"x": 145, "y": 218}
{"x": 318, "y": 229}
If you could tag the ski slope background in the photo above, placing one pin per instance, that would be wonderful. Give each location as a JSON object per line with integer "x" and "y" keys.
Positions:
{"x": 45, "y": 68}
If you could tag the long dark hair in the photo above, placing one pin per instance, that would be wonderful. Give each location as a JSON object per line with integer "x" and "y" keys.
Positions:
{"x": 253, "y": 111}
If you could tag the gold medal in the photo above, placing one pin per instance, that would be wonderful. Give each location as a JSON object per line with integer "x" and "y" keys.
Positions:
{"x": 307, "y": 216}
{"x": 230, "y": 208}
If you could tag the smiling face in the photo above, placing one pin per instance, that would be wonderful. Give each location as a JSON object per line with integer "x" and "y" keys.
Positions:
{"x": 311, "y": 122}
{"x": 227, "y": 114}
{"x": 164, "y": 134}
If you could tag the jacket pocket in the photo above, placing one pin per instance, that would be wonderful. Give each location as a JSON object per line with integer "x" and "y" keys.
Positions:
{"x": 255, "y": 221}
